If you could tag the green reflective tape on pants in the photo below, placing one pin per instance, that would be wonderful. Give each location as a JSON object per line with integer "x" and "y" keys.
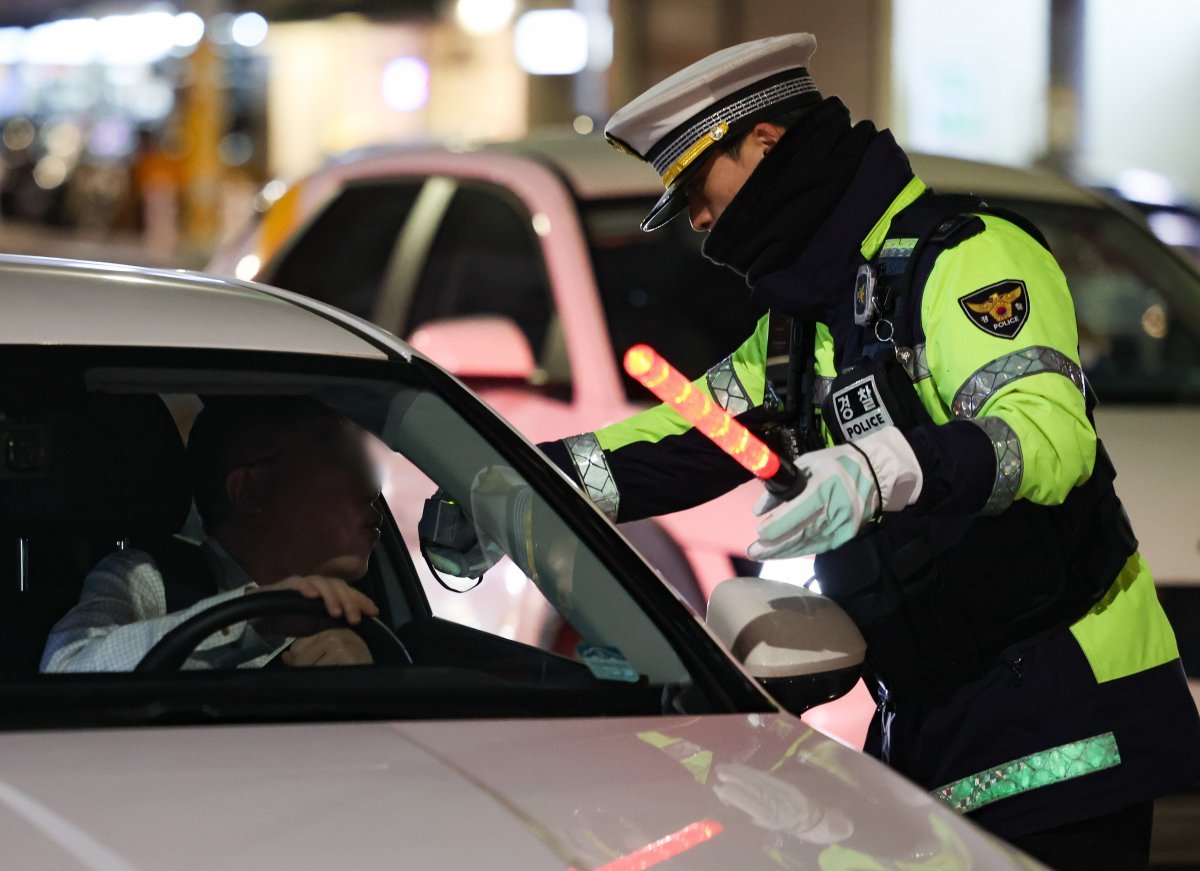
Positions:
{"x": 1031, "y": 772}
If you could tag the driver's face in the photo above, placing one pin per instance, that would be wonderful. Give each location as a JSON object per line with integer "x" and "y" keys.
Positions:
{"x": 321, "y": 490}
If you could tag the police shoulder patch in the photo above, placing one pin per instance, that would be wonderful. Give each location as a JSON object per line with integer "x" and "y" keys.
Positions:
{"x": 999, "y": 309}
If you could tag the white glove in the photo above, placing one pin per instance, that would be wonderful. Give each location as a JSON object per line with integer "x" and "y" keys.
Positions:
{"x": 846, "y": 488}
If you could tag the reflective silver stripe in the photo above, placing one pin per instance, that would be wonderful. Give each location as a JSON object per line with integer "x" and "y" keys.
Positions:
{"x": 1009, "y": 464}
{"x": 592, "y": 466}
{"x": 731, "y": 114}
{"x": 914, "y": 361}
{"x": 971, "y": 397}
{"x": 822, "y": 384}
{"x": 726, "y": 389}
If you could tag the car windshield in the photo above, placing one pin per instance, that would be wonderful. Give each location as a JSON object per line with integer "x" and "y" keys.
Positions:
{"x": 659, "y": 289}
{"x": 1137, "y": 302}
{"x": 109, "y": 556}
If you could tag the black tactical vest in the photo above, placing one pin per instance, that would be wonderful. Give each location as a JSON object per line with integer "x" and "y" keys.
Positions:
{"x": 942, "y": 599}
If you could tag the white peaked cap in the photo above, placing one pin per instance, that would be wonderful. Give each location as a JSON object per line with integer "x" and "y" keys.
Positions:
{"x": 673, "y": 123}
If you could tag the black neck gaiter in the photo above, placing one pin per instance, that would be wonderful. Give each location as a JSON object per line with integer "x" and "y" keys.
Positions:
{"x": 790, "y": 193}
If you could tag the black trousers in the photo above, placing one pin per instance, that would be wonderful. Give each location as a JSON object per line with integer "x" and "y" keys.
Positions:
{"x": 1118, "y": 841}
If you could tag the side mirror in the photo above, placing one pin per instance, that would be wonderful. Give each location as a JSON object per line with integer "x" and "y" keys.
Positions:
{"x": 802, "y": 647}
{"x": 483, "y": 346}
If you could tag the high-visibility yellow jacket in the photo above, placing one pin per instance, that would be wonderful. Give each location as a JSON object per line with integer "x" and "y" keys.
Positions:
{"x": 1091, "y": 719}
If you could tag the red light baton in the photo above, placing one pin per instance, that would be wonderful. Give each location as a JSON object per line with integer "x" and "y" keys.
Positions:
{"x": 649, "y": 369}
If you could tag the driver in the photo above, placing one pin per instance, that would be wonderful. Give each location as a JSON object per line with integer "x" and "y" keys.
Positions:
{"x": 287, "y": 496}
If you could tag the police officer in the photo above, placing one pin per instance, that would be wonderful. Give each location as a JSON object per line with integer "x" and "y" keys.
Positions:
{"x": 959, "y": 500}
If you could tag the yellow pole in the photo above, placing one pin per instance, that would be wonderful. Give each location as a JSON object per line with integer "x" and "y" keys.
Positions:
{"x": 203, "y": 127}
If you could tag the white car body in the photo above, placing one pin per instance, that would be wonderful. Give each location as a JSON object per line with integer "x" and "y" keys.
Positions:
{"x": 529, "y": 795}
{"x": 726, "y": 790}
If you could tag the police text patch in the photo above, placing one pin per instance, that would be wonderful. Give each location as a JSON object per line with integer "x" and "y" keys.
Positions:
{"x": 859, "y": 409}
{"x": 999, "y": 309}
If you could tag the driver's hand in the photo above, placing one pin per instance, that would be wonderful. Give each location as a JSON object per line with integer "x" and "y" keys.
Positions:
{"x": 341, "y": 599}
{"x": 332, "y": 647}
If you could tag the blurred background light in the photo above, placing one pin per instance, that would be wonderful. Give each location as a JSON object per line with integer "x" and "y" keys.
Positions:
{"x": 111, "y": 137}
{"x": 273, "y": 190}
{"x": 1182, "y": 230}
{"x": 248, "y": 29}
{"x": 1154, "y": 322}
{"x": 150, "y": 100}
{"x": 188, "y": 29}
{"x": 12, "y": 45}
{"x": 235, "y": 149}
{"x": 1144, "y": 186}
{"x": 247, "y": 267}
{"x": 19, "y": 134}
{"x": 552, "y": 42}
{"x": 69, "y": 42}
{"x": 138, "y": 39}
{"x": 62, "y": 139}
{"x": 50, "y": 172}
{"x": 484, "y": 17}
{"x": 405, "y": 84}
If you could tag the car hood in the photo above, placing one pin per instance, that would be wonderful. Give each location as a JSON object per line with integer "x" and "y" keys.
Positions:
{"x": 742, "y": 791}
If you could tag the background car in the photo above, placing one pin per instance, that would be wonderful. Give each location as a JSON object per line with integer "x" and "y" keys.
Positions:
{"x": 637, "y": 739}
{"x": 522, "y": 270}
{"x": 1169, "y": 213}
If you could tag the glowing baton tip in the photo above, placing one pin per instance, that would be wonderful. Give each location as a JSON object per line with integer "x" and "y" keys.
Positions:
{"x": 639, "y": 360}
{"x": 654, "y": 373}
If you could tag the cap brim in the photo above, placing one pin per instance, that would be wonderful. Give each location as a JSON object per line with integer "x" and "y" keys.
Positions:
{"x": 671, "y": 203}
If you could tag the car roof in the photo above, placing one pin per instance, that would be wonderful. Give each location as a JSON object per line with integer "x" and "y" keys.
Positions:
{"x": 594, "y": 169}
{"x": 598, "y": 171}
{"x": 955, "y": 175}
{"x": 48, "y": 301}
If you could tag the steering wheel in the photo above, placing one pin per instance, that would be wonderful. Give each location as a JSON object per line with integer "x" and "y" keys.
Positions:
{"x": 173, "y": 649}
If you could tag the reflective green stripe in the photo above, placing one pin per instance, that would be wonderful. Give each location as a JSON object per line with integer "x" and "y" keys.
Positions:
{"x": 1031, "y": 772}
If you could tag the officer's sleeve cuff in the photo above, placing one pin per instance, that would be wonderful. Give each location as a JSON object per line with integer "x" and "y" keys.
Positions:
{"x": 958, "y": 466}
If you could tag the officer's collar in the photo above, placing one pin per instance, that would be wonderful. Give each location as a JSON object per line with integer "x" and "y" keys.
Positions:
{"x": 874, "y": 241}
{"x": 816, "y": 285}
